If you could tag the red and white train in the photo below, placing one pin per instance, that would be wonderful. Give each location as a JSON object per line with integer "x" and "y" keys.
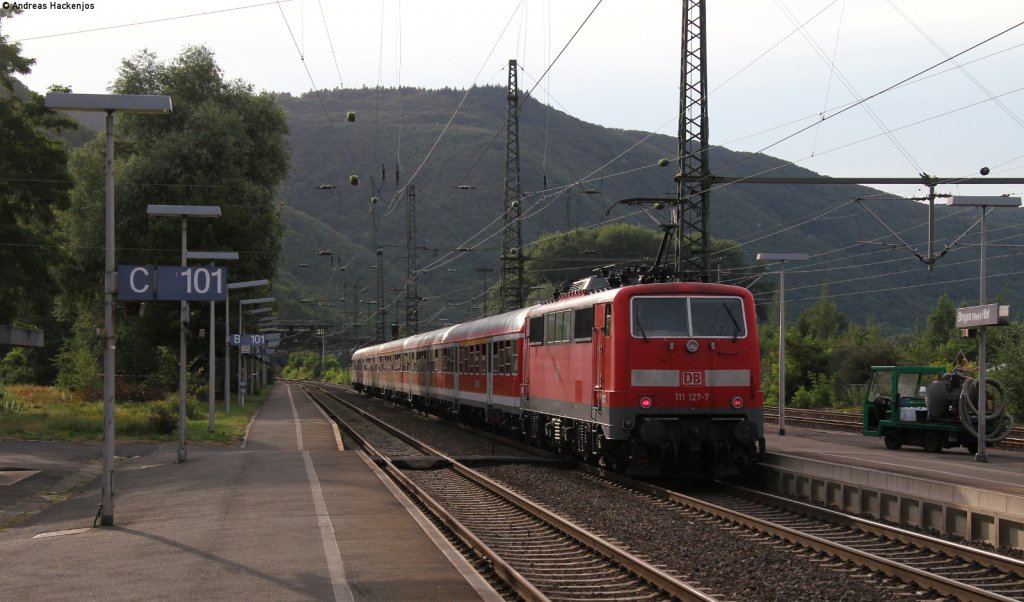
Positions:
{"x": 651, "y": 379}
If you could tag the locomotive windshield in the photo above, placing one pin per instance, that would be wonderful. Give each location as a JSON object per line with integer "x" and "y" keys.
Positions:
{"x": 665, "y": 317}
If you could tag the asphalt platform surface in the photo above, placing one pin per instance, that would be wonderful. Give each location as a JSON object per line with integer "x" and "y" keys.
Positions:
{"x": 288, "y": 516}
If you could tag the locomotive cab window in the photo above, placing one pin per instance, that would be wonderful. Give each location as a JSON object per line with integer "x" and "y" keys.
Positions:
{"x": 717, "y": 317}
{"x": 674, "y": 317}
{"x": 660, "y": 317}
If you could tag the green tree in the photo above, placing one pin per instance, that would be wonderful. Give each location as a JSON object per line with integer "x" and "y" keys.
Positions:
{"x": 223, "y": 145}
{"x": 34, "y": 184}
{"x": 1007, "y": 358}
{"x": 941, "y": 343}
{"x": 823, "y": 320}
{"x": 827, "y": 358}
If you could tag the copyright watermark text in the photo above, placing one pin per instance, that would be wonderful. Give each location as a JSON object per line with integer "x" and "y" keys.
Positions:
{"x": 49, "y": 5}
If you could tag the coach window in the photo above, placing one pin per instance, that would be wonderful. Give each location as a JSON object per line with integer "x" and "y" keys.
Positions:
{"x": 583, "y": 324}
{"x": 514, "y": 349}
{"x": 537, "y": 330}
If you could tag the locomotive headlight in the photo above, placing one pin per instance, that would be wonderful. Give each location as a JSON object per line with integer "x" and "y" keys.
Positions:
{"x": 692, "y": 346}
{"x": 646, "y": 402}
{"x": 737, "y": 402}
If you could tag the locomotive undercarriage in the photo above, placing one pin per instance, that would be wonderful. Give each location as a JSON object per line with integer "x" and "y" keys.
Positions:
{"x": 658, "y": 447}
{"x": 662, "y": 446}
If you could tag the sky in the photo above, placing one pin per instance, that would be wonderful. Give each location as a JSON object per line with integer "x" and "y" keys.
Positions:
{"x": 773, "y": 86}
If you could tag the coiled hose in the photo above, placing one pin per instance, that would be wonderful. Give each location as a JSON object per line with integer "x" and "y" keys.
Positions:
{"x": 997, "y": 423}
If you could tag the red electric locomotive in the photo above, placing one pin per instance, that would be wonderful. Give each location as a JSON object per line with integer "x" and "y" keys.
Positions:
{"x": 651, "y": 379}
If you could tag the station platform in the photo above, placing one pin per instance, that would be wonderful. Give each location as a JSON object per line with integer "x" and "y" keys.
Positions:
{"x": 948, "y": 492}
{"x": 288, "y": 516}
{"x": 1004, "y": 471}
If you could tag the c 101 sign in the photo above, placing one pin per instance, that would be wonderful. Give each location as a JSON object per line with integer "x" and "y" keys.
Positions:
{"x": 191, "y": 283}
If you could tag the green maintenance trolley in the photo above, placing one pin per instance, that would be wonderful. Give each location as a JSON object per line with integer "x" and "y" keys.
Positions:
{"x": 931, "y": 408}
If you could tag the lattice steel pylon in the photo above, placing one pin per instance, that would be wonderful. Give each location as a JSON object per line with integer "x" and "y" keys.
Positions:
{"x": 511, "y": 295}
{"x": 693, "y": 181}
{"x": 412, "y": 300}
{"x": 379, "y": 309}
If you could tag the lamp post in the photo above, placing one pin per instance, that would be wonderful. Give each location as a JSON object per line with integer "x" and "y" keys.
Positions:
{"x": 109, "y": 104}
{"x": 984, "y": 202}
{"x": 184, "y": 212}
{"x": 212, "y": 370}
{"x": 227, "y": 337}
{"x": 241, "y": 358}
{"x": 782, "y": 258}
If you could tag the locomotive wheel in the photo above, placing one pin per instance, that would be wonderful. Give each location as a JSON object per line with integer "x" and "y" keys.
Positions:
{"x": 893, "y": 439}
{"x": 613, "y": 458}
{"x": 933, "y": 442}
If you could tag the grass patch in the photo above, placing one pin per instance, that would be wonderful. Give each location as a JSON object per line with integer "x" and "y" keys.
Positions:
{"x": 49, "y": 414}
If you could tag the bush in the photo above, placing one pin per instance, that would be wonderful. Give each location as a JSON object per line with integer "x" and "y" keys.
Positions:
{"x": 163, "y": 421}
{"x": 821, "y": 393}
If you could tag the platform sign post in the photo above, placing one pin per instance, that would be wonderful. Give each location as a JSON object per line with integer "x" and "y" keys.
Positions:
{"x": 184, "y": 212}
{"x": 986, "y": 203}
{"x": 227, "y": 329}
{"x": 241, "y": 359}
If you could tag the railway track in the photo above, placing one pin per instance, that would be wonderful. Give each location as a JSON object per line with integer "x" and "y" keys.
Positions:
{"x": 538, "y": 554}
{"x": 926, "y": 567}
{"x": 853, "y": 422}
{"x": 930, "y": 563}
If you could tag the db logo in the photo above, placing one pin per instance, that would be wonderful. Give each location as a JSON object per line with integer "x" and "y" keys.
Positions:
{"x": 692, "y": 379}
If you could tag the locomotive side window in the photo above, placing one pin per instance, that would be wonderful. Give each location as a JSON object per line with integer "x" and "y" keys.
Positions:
{"x": 537, "y": 330}
{"x": 558, "y": 328}
{"x": 583, "y": 324}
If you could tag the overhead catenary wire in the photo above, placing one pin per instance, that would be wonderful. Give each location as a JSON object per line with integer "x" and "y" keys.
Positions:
{"x": 852, "y": 90}
{"x": 330, "y": 42}
{"x": 309, "y": 74}
{"x": 959, "y": 67}
{"x": 151, "y": 21}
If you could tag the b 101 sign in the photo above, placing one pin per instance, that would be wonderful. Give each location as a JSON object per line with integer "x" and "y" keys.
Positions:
{"x": 236, "y": 340}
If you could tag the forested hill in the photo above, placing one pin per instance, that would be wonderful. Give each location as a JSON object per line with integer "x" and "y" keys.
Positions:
{"x": 572, "y": 175}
